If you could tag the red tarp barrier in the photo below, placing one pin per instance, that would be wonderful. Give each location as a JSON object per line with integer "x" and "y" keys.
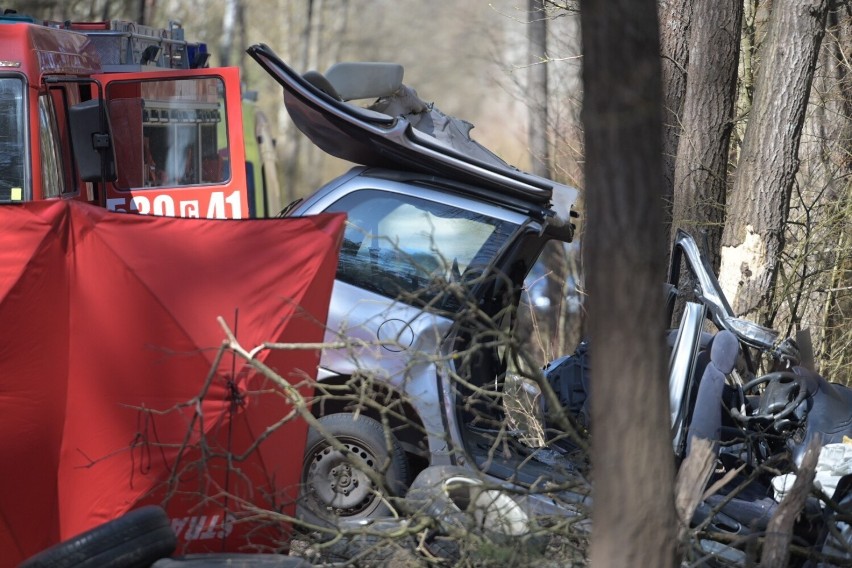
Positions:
{"x": 105, "y": 315}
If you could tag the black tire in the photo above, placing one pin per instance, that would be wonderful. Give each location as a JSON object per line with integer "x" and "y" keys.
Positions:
{"x": 465, "y": 509}
{"x": 134, "y": 540}
{"x": 235, "y": 560}
{"x": 333, "y": 488}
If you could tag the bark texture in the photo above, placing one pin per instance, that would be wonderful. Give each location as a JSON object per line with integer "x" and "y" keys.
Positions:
{"x": 811, "y": 283}
{"x": 708, "y": 112}
{"x": 537, "y": 89}
{"x": 633, "y": 517}
{"x": 674, "y": 48}
{"x": 753, "y": 238}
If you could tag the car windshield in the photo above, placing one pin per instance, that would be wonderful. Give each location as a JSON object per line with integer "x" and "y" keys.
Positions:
{"x": 12, "y": 140}
{"x": 409, "y": 248}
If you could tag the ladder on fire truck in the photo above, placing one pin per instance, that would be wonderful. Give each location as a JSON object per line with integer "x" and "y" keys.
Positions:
{"x": 127, "y": 46}
{"x": 188, "y": 143}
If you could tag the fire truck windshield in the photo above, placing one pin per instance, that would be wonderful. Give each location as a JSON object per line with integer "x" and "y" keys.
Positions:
{"x": 13, "y": 180}
{"x": 169, "y": 132}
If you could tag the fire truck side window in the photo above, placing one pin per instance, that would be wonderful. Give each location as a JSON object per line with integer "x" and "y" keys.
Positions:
{"x": 13, "y": 145}
{"x": 63, "y": 97}
{"x": 172, "y": 132}
{"x": 51, "y": 157}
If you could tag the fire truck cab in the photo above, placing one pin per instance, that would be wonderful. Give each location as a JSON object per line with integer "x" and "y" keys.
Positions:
{"x": 125, "y": 116}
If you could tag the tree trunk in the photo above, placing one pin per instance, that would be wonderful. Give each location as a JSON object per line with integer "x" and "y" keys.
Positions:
{"x": 836, "y": 357}
{"x": 291, "y": 160}
{"x": 537, "y": 90}
{"x": 702, "y": 158}
{"x": 745, "y": 75}
{"x": 243, "y": 37}
{"x": 229, "y": 25}
{"x": 753, "y": 238}
{"x": 538, "y": 136}
{"x": 820, "y": 229}
{"x": 633, "y": 515}
{"x": 674, "y": 49}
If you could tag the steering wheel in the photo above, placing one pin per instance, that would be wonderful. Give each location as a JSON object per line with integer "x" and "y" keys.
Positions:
{"x": 783, "y": 394}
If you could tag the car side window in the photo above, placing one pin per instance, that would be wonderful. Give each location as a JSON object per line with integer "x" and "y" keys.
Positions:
{"x": 406, "y": 247}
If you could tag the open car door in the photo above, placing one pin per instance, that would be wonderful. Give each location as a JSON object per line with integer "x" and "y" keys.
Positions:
{"x": 365, "y": 136}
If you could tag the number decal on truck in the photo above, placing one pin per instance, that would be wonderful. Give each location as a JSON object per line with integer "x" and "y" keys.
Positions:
{"x": 219, "y": 206}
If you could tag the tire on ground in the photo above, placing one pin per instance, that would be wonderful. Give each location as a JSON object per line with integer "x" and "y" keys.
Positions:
{"x": 333, "y": 487}
{"x": 136, "y": 539}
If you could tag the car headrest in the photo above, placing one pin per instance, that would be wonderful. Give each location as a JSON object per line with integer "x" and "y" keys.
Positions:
{"x": 365, "y": 80}
{"x": 724, "y": 352}
{"x": 319, "y": 81}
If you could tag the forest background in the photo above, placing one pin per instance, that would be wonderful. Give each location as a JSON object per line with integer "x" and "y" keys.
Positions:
{"x": 756, "y": 140}
{"x": 773, "y": 213}
{"x": 469, "y": 57}
{"x": 478, "y": 61}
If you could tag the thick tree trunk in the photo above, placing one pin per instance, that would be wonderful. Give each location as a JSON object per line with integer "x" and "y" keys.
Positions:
{"x": 633, "y": 516}
{"x": 674, "y": 49}
{"x": 745, "y": 76}
{"x": 753, "y": 238}
{"x": 702, "y": 157}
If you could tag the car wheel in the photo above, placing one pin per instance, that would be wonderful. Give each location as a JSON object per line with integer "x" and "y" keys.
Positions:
{"x": 333, "y": 487}
{"x": 136, "y": 539}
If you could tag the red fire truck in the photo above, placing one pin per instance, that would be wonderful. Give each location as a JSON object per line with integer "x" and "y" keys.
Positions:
{"x": 126, "y": 116}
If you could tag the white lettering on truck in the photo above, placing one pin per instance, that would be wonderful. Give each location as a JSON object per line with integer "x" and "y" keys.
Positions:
{"x": 220, "y": 206}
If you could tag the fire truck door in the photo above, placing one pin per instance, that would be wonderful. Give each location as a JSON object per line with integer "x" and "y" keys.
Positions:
{"x": 179, "y": 143}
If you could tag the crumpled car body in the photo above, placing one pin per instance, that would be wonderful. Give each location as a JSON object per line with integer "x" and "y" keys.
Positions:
{"x": 441, "y": 234}
{"x": 440, "y": 237}
{"x": 753, "y": 395}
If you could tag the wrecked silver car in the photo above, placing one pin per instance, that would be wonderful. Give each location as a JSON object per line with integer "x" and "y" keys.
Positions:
{"x": 439, "y": 228}
{"x": 441, "y": 234}
{"x": 753, "y": 394}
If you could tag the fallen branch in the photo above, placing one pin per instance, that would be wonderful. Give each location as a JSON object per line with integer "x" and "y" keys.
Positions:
{"x": 779, "y": 532}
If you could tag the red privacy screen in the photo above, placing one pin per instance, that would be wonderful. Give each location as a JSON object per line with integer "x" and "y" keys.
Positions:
{"x": 113, "y": 393}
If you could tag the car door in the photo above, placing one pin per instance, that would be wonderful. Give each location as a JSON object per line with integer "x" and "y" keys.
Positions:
{"x": 399, "y": 282}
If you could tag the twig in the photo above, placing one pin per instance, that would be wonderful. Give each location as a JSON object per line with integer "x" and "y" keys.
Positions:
{"x": 779, "y": 532}
{"x": 692, "y": 477}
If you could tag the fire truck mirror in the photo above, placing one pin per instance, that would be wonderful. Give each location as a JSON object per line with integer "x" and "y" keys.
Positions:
{"x": 92, "y": 141}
